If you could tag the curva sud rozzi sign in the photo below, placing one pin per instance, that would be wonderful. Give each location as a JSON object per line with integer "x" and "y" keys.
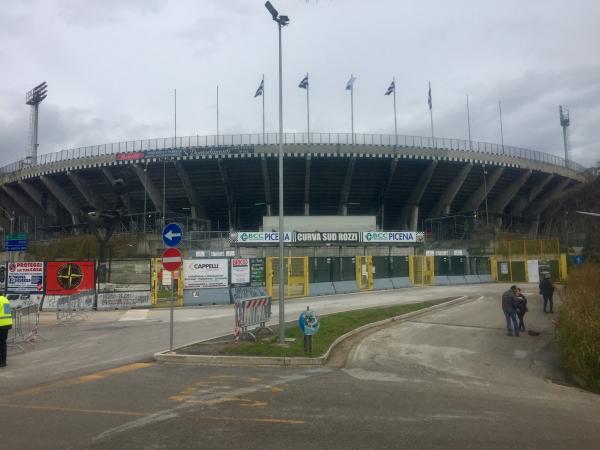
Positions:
{"x": 205, "y": 273}
{"x": 327, "y": 237}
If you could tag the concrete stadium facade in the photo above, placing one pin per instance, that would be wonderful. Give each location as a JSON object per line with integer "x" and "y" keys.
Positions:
{"x": 230, "y": 182}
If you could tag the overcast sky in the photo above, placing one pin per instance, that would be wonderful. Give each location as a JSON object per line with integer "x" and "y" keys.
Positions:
{"x": 111, "y": 67}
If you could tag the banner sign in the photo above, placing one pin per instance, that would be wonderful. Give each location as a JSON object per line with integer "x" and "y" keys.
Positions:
{"x": 50, "y": 302}
{"x": 240, "y": 271}
{"x": 326, "y": 237}
{"x": 372, "y": 237}
{"x": 64, "y": 278}
{"x": 205, "y": 273}
{"x": 216, "y": 150}
{"x": 257, "y": 272}
{"x": 258, "y": 237}
{"x": 243, "y": 292}
{"x": 23, "y": 300}
{"x": 25, "y": 277}
{"x": 129, "y": 156}
{"x": 124, "y": 300}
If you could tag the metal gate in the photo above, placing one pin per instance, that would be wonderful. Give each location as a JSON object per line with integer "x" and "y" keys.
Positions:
{"x": 364, "y": 273}
{"x": 161, "y": 285}
{"x": 420, "y": 269}
{"x": 296, "y": 272}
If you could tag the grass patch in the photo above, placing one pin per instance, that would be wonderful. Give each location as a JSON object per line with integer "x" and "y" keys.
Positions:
{"x": 579, "y": 326}
{"x": 332, "y": 327}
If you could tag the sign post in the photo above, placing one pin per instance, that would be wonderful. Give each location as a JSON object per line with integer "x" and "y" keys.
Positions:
{"x": 171, "y": 261}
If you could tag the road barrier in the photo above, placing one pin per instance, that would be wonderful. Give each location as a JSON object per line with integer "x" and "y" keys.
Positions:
{"x": 252, "y": 312}
{"x": 26, "y": 320}
{"x": 71, "y": 307}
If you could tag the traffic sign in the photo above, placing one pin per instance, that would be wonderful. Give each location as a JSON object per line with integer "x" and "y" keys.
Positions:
{"x": 16, "y": 242}
{"x": 172, "y": 235}
{"x": 171, "y": 259}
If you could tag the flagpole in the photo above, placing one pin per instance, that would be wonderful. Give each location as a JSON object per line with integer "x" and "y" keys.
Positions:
{"x": 431, "y": 117}
{"x": 217, "y": 114}
{"x": 263, "y": 102}
{"x": 307, "y": 112}
{"x": 469, "y": 125}
{"x": 501, "y": 128}
{"x": 395, "y": 119}
{"x": 352, "y": 105}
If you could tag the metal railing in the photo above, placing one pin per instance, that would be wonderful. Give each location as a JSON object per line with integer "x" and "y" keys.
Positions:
{"x": 252, "y": 312}
{"x": 293, "y": 138}
{"x": 26, "y": 321}
{"x": 71, "y": 307}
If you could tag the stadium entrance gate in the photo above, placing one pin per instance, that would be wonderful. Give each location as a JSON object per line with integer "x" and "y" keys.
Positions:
{"x": 161, "y": 285}
{"x": 296, "y": 273}
{"x": 421, "y": 270}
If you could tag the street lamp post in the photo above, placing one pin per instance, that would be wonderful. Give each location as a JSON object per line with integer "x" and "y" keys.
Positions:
{"x": 487, "y": 221}
{"x": 282, "y": 21}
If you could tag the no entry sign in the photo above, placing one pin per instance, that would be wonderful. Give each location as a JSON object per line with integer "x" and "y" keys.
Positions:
{"x": 171, "y": 259}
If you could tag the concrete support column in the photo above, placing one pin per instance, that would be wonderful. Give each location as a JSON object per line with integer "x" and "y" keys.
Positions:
{"x": 69, "y": 204}
{"x": 445, "y": 201}
{"x": 415, "y": 196}
{"x": 414, "y": 218}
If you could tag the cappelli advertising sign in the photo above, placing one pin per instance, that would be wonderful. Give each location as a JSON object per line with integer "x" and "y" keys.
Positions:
{"x": 205, "y": 273}
{"x": 25, "y": 277}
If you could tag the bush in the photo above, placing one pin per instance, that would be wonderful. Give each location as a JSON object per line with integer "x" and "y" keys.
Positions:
{"x": 579, "y": 326}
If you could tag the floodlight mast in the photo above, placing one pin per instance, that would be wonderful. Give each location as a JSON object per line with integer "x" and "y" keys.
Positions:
{"x": 564, "y": 123}
{"x": 281, "y": 22}
{"x": 33, "y": 98}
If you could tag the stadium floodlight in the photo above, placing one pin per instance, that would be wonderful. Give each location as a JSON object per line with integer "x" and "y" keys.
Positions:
{"x": 281, "y": 22}
{"x": 33, "y": 98}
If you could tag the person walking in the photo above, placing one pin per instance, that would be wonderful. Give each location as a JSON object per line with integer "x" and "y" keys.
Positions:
{"x": 509, "y": 300}
{"x": 521, "y": 307}
{"x": 5, "y": 325}
{"x": 547, "y": 291}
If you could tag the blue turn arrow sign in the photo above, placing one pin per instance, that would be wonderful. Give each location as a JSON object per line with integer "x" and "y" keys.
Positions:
{"x": 172, "y": 235}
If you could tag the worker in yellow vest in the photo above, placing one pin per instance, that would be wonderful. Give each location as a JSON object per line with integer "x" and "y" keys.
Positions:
{"x": 5, "y": 325}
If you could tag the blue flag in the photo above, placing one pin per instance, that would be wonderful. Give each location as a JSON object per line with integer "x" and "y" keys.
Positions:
{"x": 260, "y": 89}
{"x": 391, "y": 89}
{"x": 304, "y": 83}
{"x": 350, "y": 83}
{"x": 429, "y": 97}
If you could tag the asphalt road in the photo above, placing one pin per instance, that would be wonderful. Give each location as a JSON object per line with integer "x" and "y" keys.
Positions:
{"x": 450, "y": 379}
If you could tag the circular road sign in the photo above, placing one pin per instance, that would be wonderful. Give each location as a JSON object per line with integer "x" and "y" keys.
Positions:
{"x": 171, "y": 259}
{"x": 172, "y": 234}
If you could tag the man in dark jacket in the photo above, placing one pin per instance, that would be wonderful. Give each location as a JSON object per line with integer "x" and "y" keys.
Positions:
{"x": 547, "y": 290}
{"x": 509, "y": 299}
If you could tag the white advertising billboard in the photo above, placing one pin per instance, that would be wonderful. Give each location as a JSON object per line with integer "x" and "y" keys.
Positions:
{"x": 240, "y": 271}
{"x": 392, "y": 236}
{"x": 205, "y": 273}
{"x": 25, "y": 277}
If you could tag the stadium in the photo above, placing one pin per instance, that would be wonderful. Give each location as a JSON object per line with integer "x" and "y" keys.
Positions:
{"x": 229, "y": 183}
{"x": 441, "y": 199}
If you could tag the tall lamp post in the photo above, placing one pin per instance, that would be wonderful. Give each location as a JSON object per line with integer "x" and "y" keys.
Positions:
{"x": 282, "y": 21}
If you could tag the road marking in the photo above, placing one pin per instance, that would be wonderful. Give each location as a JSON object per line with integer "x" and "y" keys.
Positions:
{"x": 254, "y": 419}
{"x": 135, "y": 314}
{"x": 81, "y": 379}
{"x": 76, "y": 410}
{"x": 190, "y": 405}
